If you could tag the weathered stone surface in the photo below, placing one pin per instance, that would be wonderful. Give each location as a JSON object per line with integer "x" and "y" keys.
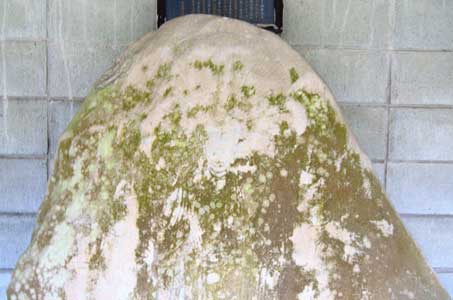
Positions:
{"x": 212, "y": 163}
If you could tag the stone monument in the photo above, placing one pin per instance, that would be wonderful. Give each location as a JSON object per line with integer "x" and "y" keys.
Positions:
{"x": 212, "y": 163}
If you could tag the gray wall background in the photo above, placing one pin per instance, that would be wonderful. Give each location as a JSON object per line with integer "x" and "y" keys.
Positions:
{"x": 388, "y": 62}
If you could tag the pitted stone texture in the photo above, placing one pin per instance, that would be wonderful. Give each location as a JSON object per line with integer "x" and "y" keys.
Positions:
{"x": 213, "y": 163}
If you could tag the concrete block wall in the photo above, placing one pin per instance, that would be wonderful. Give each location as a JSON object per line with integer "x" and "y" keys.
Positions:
{"x": 389, "y": 63}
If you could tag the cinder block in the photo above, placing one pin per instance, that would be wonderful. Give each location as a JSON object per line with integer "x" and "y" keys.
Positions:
{"x": 351, "y": 23}
{"x": 352, "y": 75}
{"x": 379, "y": 171}
{"x": 424, "y": 24}
{"x": 368, "y": 125}
{"x": 5, "y": 278}
{"x": 15, "y": 235}
{"x": 303, "y": 22}
{"x": 421, "y": 134}
{"x": 22, "y": 184}
{"x": 358, "y": 23}
{"x": 24, "y": 69}
{"x": 113, "y": 21}
{"x": 433, "y": 235}
{"x": 23, "y": 127}
{"x": 447, "y": 280}
{"x": 60, "y": 114}
{"x": 421, "y": 188}
{"x": 73, "y": 71}
{"x": 24, "y": 19}
{"x": 422, "y": 77}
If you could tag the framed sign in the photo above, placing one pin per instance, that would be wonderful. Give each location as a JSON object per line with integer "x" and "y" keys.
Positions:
{"x": 267, "y": 14}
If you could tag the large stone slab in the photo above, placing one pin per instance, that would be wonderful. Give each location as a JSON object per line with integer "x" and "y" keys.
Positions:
{"x": 212, "y": 163}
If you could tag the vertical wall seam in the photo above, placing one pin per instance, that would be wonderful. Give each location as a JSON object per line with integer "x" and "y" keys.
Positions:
{"x": 4, "y": 73}
{"x": 47, "y": 91}
{"x": 387, "y": 133}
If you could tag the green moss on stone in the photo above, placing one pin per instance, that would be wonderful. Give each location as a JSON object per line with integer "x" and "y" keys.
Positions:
{"x": 293, "y": 75}
{"x": 105, "y": 149}
{"x": 248, "y": 91}
{"x": 130, "y": 140}
{"x": 238, "y": 66}
{"x": 231, "y": 103}
{"x": 167, "y": 91}
{"x": 215, "y": 69}
{"x": 277, "y": 100}
{"x": 198, "y": 108}
{"x": 150, "y": 84}
{"x": 164, "y": 71}
{"x": 97, "y": 260}
{"x": 64, "y": 163}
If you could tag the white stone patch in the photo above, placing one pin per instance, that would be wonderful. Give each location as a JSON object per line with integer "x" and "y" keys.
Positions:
{"x": 243, "y": 169}
{"x": 338, "y": 162}
{"x": 366, "y": 242}
{"x": 194, "y": 238}
{"x": 313, "y": 189}
{"x": 298, "y": 120}
{"x": 150, "y": 255}
{"x": 308, "y": 293}
{"x": 268, "y": 279}
{"x": 305, "y": 178}
{"x": 59, "y": 248}
{"x": 314, "y": 218}
{"x": 75, "y": 209}
{"x": 336, "y": 231}
{"x": 169, "y": 203}
{"x": 198, "y": 174}
{"x": 212, "y": 278}
{"x": 367, "y": 187}
{"x": 384, "y": 227}
{"x": 233, "y": 140}
{"x": 305, "y": 204}
{"x": 160, "y": 164}
{"x": 77, "y": 286}
{"x": 119, "y": 253}
{"x": 308, "y": 255}
{"x": 283, "y": 173}
{"x": 408, "y": 294}
{"x": 220, "y": 184}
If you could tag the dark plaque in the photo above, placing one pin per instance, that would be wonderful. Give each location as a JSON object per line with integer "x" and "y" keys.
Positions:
{"x": 264, "y": 13}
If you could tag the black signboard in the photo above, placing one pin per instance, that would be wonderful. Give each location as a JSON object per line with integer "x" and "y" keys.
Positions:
{"x": 264, "y": 13}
